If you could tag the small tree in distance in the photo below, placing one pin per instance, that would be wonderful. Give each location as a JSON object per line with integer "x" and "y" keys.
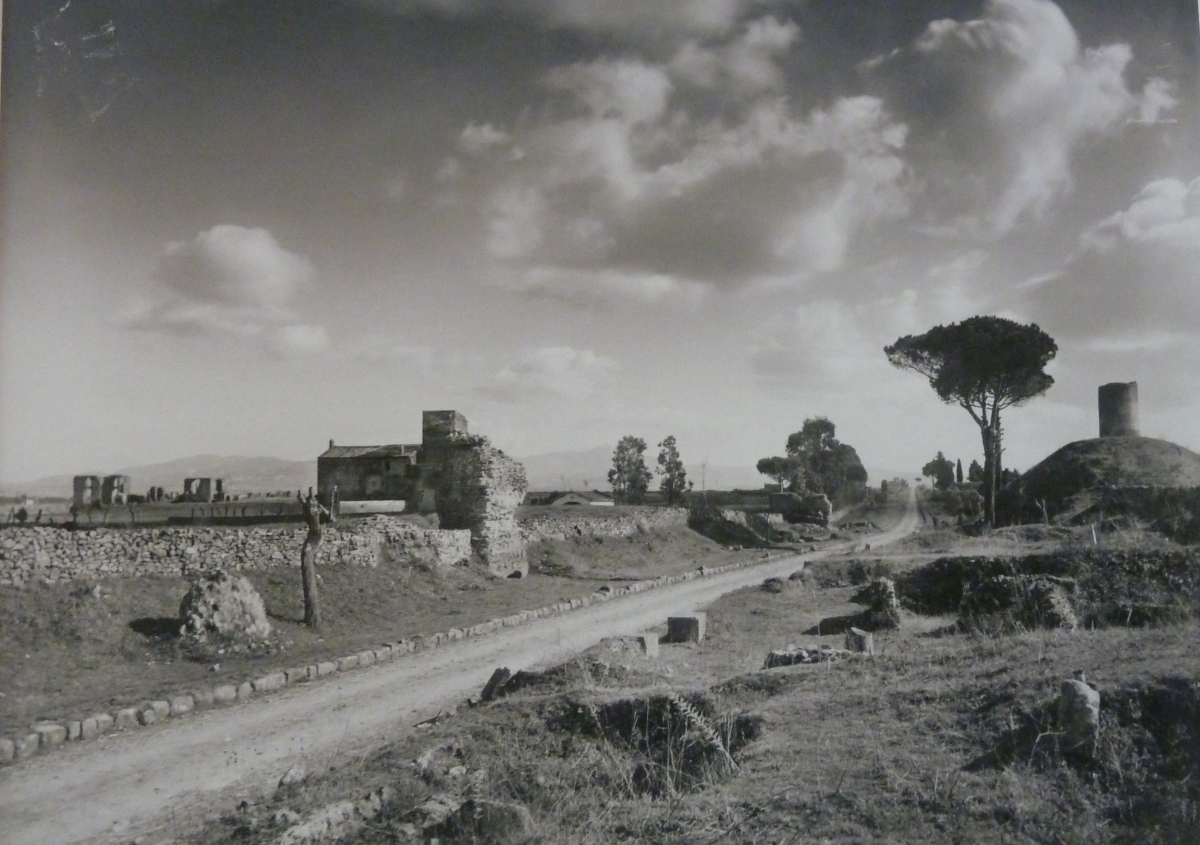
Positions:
{"x": 779, "y": 469}
{"x": 984, "y": 365}
{"x": 629, "y": 477}
{"x": 674, "y": 477}
{"x": 958, "y": 478}
{"x": 975, "y": 472}
{"x": 940, "y": 470}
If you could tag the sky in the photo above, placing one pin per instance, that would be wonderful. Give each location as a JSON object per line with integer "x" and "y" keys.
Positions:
{"x": 245, "y": 227}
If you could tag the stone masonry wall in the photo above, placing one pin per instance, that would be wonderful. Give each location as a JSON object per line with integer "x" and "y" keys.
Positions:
{"x": 53, "y": 554}
{"x": 498, "y": 537}
{"x": 564, "y": 527}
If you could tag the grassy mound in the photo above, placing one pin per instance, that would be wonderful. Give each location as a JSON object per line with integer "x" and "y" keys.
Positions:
{"x": 1070, "y": 479}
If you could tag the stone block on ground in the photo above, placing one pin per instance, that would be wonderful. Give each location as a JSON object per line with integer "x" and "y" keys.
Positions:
{"x": 646, "y": 644}
{"x": 125, "y": 718}
{"x": 800, "y": 655}
{"x": 74, "y": 730}
{"x": 88, "y": 728}
{"x": 346, "y": 663}
{"x": 161, "y": 708}
{"x": 244, "y": 690}
{"x": 326, "y": 667}
{"x": 224, "y": 606}
{"x": 181, "y": 704}
{"x": 25, "y": 746}
{"x": 50, "y": 734}
{"x": 6, "y": 751}
{"x": 224, "y": 693}
{"x": 495, "y": 684}
{"x": 860, "y": 641}
{"x": 104, "y": 722}
{"x": 267, "y": 683}
{"x": 686, "y": 629}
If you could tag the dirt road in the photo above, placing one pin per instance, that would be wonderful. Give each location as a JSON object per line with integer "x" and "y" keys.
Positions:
{"x": 152, "y": 780}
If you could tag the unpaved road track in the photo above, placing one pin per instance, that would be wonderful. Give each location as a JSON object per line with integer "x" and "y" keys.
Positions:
{"x": 151, "y": 780}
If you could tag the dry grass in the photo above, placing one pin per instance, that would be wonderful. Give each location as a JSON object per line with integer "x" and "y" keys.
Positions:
{"x": 65, "y": 652}
{"x": 923, "y": 743}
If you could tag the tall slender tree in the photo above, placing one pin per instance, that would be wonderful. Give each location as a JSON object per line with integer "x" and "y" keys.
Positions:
{"x": 984, "y": 365}
{"x": 670, "y": 466}
{"x": 629, "y": 477}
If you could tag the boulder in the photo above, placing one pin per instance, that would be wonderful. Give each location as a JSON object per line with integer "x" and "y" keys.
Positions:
{"x": 224, "y": 607}
{"x": 883, "y": 608}
{"x": 1078, "y": 715}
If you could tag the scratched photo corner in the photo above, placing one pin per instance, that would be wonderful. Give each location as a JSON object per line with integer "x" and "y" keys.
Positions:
{"x": 599, "y": 421}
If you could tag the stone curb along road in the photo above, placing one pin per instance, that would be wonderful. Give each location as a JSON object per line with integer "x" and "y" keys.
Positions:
{"x": 137, "y": 782}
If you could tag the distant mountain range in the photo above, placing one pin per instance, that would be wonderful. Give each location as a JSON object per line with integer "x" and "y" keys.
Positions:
{"x": 578, "y": 470}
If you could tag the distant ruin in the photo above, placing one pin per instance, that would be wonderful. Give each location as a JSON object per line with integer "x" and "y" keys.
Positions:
{"x": 1106, "y": 474}
{"x": 1118, "y": 403}
{"x": 464, "y": 480}
{"x": 90, "y": 491}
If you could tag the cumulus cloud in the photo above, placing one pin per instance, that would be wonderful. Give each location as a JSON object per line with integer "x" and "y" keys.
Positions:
{"x": 1134, "y": 281}
{"x": 550, "y": 372}
{"x": 633, "y": 19}
{"x": 231, "y": 280}
{"x": 998, "y": 107}
{"x": 636, "y": 178}
{"x": 478, "y": 138}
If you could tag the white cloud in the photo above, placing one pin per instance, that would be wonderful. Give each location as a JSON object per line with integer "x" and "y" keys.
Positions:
{"x": 476, "y": 139}
{"x": 234, "y": 281}
{"x": 1135, "y": 277}
{"x": 639, "y": 182}
{"x": 999, "y": 106}
{"x": 550, "y": 372}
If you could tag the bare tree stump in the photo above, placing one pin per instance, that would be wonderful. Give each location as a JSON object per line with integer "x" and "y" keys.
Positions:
{"x": 313, "y": 511}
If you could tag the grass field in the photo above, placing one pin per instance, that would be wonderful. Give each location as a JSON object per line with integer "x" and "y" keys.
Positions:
{"x": 941, "y": 737}
{"x": 66, "y": 650}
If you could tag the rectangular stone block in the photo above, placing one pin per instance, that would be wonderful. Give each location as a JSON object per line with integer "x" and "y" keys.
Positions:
{"x": 88, "y": 728}
{"x": 25, "y": 746}
{"x": 244, "y": 691}
{"x": 224, "y": 693}
{"x": 148, "y": 716}
{"x": 204, "y": 697}
{"x": 326, "y": 667}
{"x": 6, "y": 751}
{"x": 50, "y": 734}
{"x": 345, "y": 663}
{"x": 126, "y": 718}
{"x": 296, "y": 675}
{"x": 366, "y": 658}
{"x": 685, "y": 629}
{"x": 383, "y": 654}
{"x": 162, "y": 708}
{"x": 104, "y": 722}
{"x": 181, "y": 704}
{"x": 649, "y": 643}
{"x": 273, "y": 681}
{"x": 74, "y": 729}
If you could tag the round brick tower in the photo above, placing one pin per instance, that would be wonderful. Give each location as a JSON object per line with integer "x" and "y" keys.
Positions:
{"x": 1118, "y": 409}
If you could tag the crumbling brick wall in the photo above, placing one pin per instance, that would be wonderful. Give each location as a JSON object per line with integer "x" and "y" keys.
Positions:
{"x": 478, "y": 487}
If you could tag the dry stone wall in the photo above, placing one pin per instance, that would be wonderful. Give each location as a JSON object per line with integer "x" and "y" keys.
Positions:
{"x": 54, "y": 554}
{"x": 565, "y": 527}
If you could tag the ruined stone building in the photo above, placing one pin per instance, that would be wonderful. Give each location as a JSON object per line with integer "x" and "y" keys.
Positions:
{"x": 90, "y": 490}
{"x": 466, "y": 482}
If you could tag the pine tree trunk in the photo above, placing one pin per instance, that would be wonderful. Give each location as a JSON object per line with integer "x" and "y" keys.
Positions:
{"x": 989, "y": 476}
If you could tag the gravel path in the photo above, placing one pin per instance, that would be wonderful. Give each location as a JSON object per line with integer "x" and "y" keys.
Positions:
{"x": 148, "y": 781}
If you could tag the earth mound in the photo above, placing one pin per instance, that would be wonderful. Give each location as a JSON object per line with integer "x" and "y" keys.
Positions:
{"x": 1070, "y": 480}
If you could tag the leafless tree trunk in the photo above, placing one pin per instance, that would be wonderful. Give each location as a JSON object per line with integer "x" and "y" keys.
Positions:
{"x": 308, "y": 559}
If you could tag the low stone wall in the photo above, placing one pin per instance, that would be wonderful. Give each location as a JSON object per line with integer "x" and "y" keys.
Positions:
{"x": 54, "y": 554}
{"x": 567, "y": 526}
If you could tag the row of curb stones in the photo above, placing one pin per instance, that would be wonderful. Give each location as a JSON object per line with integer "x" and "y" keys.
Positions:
{"x": 44, "y": 736}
